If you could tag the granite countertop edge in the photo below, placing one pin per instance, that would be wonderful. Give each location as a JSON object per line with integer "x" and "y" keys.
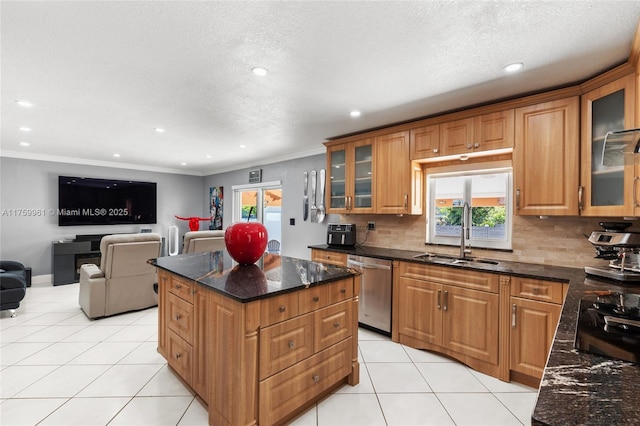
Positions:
{"x": 577, "y": 387}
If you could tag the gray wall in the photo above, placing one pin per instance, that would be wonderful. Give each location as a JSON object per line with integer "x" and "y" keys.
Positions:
{"x": 296, "y": 238}
{"x": 32, "y": 184}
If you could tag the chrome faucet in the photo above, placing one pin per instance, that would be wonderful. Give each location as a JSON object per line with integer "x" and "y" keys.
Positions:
{"x": 464, "y": 233}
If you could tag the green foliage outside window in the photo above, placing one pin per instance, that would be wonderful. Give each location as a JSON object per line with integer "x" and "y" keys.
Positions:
{"x": 480, "y": 216}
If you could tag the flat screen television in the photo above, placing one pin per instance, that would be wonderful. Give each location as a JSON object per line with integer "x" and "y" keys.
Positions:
{"x": 90, "y": 201}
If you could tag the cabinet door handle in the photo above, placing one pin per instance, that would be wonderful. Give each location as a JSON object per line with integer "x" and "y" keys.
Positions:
{"x": 439, "y": 299}
{"x": 635, "y": 189}
{"x": 178, "y": 286}
{"x": 178, "y": 355}
{"x": 476, "y": 145}
{"x": 343, "y": 290}
{"x": 336, "y": 325}
{"x": 446, "y": 300}
{"x": 580, "y": 194}
{"x": 282, "y": 309}
{"x": 406, "y": 201}
{"x": 517, "y": 199}
{"x": 291, "y": 344}
{"x": 513, "y": 315}
{"x": 178, "y": 317}
{"x": 469, "y": 146}
{"x": 436, "y": 150}
{"x": 316, "y": 299}
{"x": 316, "y": 378}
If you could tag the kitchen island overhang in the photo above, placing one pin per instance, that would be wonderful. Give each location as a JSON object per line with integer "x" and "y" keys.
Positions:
{"x": 258, "y": 343}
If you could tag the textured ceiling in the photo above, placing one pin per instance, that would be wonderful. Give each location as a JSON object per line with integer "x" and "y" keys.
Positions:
{"x": 103, "y": 75}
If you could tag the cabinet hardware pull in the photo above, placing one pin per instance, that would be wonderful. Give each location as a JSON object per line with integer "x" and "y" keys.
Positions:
{"x": 513, "y": 315}
{"x": 178, "y": 317}
{"x": 580, "y": 193}
{"x": 476, "y": 145}
{"x": 343, "y": 290}
{"x": 446, "y": 300}
{"x": 178, "y": 356}
{"x": 406, "y": 201}
{"x": 469, "y": 146}
{"x": 439, "y": 298}
{"x": 316, "y": 299}
{"x": 282, "y": 309}
{"x": 178, "y": 286}
{"x": 193, "y": 291}
{"x": 316, "y": 378}
{"x": 336, "y": 325}
{"x": 435, "y": 150}
{"x": 291, "y": 344}
{"x": 517, "y": 199}
{"x": 635, "y": 189}
{"x": 535, "y": 291}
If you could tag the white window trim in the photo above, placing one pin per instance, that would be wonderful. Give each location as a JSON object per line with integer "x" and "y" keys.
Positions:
{"x": 237, "y": 201}
{"x": 477, "y": 169}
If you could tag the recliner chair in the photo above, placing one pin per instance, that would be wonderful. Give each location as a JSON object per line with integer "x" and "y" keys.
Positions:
{"x": 124, "y": 281}
{"x": 13, "y": 285}
{"x": 203, "y": 241}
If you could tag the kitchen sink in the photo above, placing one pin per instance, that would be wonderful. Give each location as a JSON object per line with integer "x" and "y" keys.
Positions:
{"x": 444, "y": 258}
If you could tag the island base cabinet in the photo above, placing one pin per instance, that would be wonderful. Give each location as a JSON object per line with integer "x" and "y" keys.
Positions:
{"x": 282, "y": 394}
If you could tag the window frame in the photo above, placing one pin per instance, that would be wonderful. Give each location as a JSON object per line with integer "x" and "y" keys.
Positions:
{"x": 474, "y": 170}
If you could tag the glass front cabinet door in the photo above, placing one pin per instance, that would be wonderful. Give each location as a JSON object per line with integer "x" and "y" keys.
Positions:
{"x": 350, "y": 183}
{"x": 607, "y": 176}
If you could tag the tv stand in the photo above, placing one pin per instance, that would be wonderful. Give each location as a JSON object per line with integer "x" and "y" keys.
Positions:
{"x": 68, "y": 256}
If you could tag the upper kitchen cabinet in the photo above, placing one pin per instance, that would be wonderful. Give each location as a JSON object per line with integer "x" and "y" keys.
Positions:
{"x": 545, "y": 158}
{"x": 424, "y": 142}
{"x": 607, "y": 175}
{"x": 483, "y": 133}
{"x": 350, "y": 182}
{"x": 398, "y": 180}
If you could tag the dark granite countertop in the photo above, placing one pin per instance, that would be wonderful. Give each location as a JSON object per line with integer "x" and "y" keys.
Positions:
{"x": 578, "y": 388}
{"x": 269, "y": 276}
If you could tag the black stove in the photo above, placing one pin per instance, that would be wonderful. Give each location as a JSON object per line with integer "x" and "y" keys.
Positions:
{"x": 609, "y": 325}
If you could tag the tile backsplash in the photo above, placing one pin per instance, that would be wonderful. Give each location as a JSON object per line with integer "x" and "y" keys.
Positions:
{"x": 559, "y": 241}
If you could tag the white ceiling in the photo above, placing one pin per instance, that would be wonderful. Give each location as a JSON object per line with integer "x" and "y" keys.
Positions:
{"x": 102, "y": 75}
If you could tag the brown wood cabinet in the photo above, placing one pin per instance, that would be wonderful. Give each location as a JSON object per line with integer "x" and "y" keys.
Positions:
{"x": 264, "y": 361}
{"x": 424, "y": 142}
{"x": 350, "y": 185}
{"x": 483, "y": 133}
{"x": 331, "y": 257}
{"x": 535, "y": 311}
{"x": 397, "y": 191}
{"x": 608, "y": 176}
{"x": 545, "y": 158}
{"x": 453, "y": 311}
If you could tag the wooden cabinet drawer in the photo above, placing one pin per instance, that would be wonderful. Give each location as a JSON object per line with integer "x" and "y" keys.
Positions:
{"x": 180, "y": 318}
{"x": 545, "y": 291}
{"x": 332, "y": 324}
{"x": 340, "y": 290}
{"x": 330, "y": 257}
{"x": 181, "y": 288}
{"x": 284, "y": 344}
{"x": 313, "y": 298}
{"x": 283, "y": 393}
{"x": 459, "y": 277}
{"x": 180, "y": 356}
{"x": 279, "y": 308}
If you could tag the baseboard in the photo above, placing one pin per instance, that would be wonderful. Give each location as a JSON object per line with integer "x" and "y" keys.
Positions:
{"x": 41, "y": 280}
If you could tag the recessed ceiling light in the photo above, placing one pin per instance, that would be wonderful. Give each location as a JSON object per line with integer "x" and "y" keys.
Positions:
{"x": 116, "y": 155}
{"x": 24, "y": 144}
{"x": 243, "y": 146}
{"x": 259, "y": 71}
{"x": 183, "y": 164}
{"x": 159, "y": 130}
{"x": 24, "y": 129}
{"x": 355, "y": 114}
{"x": 209, "y": 156}
{"x": 516, "y": 66}
{"x": 25, "y": 104}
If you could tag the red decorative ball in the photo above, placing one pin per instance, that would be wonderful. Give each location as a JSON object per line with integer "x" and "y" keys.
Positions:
{"x": 246, "y": 241}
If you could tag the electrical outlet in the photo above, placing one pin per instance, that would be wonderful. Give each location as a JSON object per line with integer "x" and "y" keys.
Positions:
{"x": 371, "y": 226}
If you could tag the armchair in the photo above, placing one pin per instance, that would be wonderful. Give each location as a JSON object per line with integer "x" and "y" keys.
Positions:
{"x": 202, "y": 241}
{"x": 13, "y": 285}
{"x": 124, "y": 281}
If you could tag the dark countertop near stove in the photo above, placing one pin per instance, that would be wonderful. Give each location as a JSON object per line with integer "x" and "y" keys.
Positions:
{"x": 269, "y": 276}
{"x": 578, "y": 388}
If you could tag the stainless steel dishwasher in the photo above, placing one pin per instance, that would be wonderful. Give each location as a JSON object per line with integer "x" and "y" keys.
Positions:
{"x": 374, "y": 310}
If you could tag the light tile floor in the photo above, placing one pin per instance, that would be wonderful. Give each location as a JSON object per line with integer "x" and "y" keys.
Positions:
{"x": 59, "y": 368}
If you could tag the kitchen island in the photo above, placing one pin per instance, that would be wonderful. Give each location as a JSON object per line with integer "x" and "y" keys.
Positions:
{"x": 258, "y": 343}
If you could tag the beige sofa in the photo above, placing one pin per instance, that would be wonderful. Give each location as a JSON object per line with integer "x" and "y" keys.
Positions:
{"x": 124, "y": 281}
{"x": 203, "y": 241}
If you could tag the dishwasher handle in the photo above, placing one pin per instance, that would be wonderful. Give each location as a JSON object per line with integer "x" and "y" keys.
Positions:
{"x": 368, "y": 265}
